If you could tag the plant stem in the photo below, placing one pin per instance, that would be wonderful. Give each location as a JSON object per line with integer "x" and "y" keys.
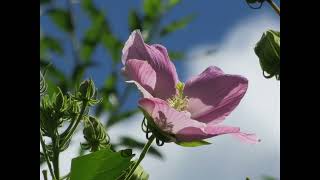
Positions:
{"x": 45, "y": 175}
{"x": 55, "y": 160}
{"x": 274, "y": 6}
{"x": 44, "y": 149}
{"x": 65, "y": 140}
{"x": 142, "y": 155}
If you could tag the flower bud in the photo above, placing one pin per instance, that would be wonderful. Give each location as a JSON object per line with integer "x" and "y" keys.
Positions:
{"x": 268, "y": 51}
{"x": 87, "y": 89}
{"x": 95, "y": 135}
{"x": 59, "y": 101}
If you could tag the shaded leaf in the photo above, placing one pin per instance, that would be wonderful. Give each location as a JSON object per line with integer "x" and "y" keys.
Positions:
{"x": 134, "y": 21}
{"x": 152, "y": 8}
{"x": 61, "y": 18}
{"x": 92, "y": 37}
{"x": 132, "y": 143}
{"x": 193, "y": 143}
{"x": 90, "y": 8}
{"x": 116, "y": 118}
{"x": 100, "y": 165}
{"x": 175, "y": 25}
{"x": 113, "y": 45}
{"x": 50, "y": 43}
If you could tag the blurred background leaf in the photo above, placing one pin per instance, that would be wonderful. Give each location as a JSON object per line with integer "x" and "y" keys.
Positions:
{"x": 61, "y": 18}
{"x": 176, "y": 25}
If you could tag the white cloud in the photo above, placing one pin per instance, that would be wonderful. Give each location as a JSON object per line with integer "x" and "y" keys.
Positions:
{"x": 258, "y": 112}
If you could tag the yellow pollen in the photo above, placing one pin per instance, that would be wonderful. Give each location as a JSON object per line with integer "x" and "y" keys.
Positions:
{"x": 179, "y": 101}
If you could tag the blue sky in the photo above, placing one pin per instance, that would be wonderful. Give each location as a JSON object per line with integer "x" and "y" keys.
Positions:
{"x": 233, "y": 28}
{"x": 214, "y": 18}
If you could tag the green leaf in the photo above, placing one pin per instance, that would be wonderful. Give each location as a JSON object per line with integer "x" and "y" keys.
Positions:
{"x": 175, "y": 25}
{"x": 113, "y": 45}
{"x": 116, "y": 118}
{"x": 134, "y": 21}
{"x": 173, "y": 3}
{"x": 100, "y": 165}
{"x": 132, "y": 143}
{"x": 152, "y": 8}
{"x": 62, "y": 19}
{"x": 90, "y": 8}
{"x": 49, "y": 43}
{"x": 92, "y": 37}
{"x": 176, "y": 55}
{"x": 193, "y": 143}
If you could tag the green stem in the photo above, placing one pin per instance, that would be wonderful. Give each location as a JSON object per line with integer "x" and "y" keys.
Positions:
{"x": 55, "y": 160}
{"x": 274, "y": 6}
{"x": 142, "y": 155}
{"x": 45, "y": 175}
{"x": 69, "y": 127}
{"x": 44, "y": 149}
{"x": 65, "y": 140}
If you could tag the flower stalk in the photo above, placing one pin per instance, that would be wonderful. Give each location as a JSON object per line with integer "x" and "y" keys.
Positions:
{"x": 142, "y": 155}
{"x": 44, "y": 149}
{"x": 274, "y": 6}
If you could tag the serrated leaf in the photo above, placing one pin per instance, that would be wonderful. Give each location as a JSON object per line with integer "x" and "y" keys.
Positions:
{"x": 132, "y": 143}
{"x": 116, "y": 118}
{"x": 134, "y": 21}
{"x": 62, "y": 19}
{"x": 193, "y": 143}
{"x": 176, "y": 25}
{"x": 100, "y": 165}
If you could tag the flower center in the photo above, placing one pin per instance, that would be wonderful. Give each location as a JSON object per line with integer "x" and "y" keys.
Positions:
{"x": 179, "y": 101}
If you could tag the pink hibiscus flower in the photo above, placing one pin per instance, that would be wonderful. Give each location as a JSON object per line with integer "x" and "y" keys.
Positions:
{"x": 183, "y": 112}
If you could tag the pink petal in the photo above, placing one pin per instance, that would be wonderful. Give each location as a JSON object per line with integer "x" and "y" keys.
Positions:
{"x": 247, "y": 138}
{"x": 213, "y": 95}
{"x": 166, "y": 118}
{"x": 142, "y": 73}
{"x": 157, "y": 56}
{"x": 194, "y": 133}
{"x": 134, "y": 48}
